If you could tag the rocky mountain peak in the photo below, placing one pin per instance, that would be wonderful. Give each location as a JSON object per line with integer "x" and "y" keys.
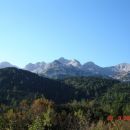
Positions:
{"x": 74, "y": 63}
{"x": 65, "y": 67}
{"x": 6, "y": 64}
{"x": 90, "y": 63}
{"x": 63, "y": 60}
{"x": 123, "y": 67}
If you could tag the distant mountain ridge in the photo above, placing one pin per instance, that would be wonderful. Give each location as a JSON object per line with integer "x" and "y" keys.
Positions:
{"x": 5, "y": 65}
{"x": 62, "y": 67}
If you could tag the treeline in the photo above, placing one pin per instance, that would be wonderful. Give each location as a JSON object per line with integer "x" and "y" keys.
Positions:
{"x": 117, "y": 100}
{"x": 90, "y": 87}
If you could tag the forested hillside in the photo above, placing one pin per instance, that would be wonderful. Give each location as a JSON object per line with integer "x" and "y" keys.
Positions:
{"x": 20, "y": 84}
{"x": 90, "y": 87}
{"x": 17, "y": 84}
{"x": 31, "y": 102}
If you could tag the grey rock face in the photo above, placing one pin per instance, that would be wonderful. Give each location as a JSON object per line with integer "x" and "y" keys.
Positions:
{"x": 65, "y": 68}
{"x": 5, "y": 65}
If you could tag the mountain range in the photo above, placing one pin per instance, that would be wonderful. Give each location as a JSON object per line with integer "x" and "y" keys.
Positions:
{"x": 62, "y": 68}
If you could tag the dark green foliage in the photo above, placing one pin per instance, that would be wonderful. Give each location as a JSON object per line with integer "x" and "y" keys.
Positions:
{"x": 90, "y": 87}
{"x": 117, "y": 99}
{"x": 16, "y": 85}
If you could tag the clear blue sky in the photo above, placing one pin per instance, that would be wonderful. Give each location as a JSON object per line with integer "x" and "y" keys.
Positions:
{"x": 44, "y": 30}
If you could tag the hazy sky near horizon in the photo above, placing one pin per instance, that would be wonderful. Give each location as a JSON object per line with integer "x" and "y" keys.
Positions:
{"x": 44, "y": 30}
